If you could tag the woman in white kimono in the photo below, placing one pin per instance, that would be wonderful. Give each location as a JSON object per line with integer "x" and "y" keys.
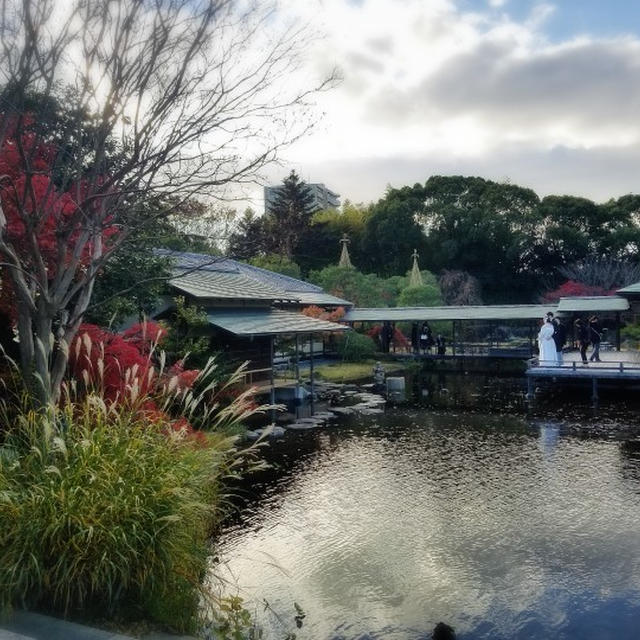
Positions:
{"x": 548, "y": 356}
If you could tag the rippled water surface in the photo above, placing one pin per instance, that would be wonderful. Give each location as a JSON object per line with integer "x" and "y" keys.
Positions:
{"x": 502, "y": 527}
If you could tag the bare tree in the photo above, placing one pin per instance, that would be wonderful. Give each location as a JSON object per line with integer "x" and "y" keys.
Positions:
{"x": 179, "y": 97}
{"x": 460, "y": 288}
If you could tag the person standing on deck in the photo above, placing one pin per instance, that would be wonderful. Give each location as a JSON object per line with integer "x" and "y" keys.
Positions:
{"x": 426, "y": 338}
{"x": 595, "y": 335}
{"x": 582, "y": 335}
{"x": 386, "y": 335}
{"x": 559, "y": 338}
{"x": 547, "y": 356}
{"x": 415, "y": 337}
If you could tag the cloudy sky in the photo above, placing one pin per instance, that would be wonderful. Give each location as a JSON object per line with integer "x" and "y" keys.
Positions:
{"x": 543, "y": 94}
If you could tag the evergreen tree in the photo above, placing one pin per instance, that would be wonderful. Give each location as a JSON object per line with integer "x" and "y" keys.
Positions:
{"x": 290, "y": 215}
{"x": 248, "y": 240}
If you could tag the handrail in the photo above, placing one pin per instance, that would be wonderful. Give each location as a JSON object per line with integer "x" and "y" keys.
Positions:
{"x": 609, "y": 365}
{"x": 248, "y": 374}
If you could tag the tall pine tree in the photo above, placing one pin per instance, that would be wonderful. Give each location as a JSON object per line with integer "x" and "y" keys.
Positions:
{"x": 290, "y": 215}
{"x": 248, "y": 240}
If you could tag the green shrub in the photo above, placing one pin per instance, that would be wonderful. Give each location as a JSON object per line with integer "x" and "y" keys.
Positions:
{"x": 631, "y": 332}
{"x": 354, "y": 347}
{"x": 102, "y": 509}
{"x": 421, "y": 296}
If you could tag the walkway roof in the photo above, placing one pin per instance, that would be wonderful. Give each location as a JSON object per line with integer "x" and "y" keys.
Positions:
{"x": 268, "y": 322}
{"x": 593, "y": 304}
{"x": 485, "y": 312}
{"x": 632, "y": 289}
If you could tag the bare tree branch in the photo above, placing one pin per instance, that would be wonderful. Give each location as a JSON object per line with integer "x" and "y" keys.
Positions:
{"x": 179, "y": 97}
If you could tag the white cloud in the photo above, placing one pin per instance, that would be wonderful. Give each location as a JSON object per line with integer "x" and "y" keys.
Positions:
{"x": 425, "y": 82}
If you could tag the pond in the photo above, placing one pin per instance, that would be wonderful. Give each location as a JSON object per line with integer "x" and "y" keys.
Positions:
{"x": 502, "y": 526}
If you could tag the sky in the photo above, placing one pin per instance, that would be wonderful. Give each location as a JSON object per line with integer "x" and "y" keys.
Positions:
{"x": 545, "y": 94}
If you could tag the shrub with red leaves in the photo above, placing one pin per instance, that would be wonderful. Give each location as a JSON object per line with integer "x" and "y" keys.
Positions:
{"x": 144, "y": 336}
{"x": 319, "y": 313}
{"x": 102, "y": 359}
{"x": 572, "y": 288}
{"x": 399, "y": 339}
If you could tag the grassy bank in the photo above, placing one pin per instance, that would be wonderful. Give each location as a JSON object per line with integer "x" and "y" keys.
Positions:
{"x": 353, "y": 371}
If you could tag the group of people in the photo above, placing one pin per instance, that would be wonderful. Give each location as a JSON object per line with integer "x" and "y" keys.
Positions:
{"x": 553, "y": 337}
{"x": 589, "y": 333}
{"x": 422, "y": 340}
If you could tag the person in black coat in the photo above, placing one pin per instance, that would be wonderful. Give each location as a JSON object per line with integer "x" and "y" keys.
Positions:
{"x": 582, "y": 336}
{"x": 559, "y": 337}
{"x": 426, "y": 337}
{"x": 386, "y": 335}
{"x": 415, "y": 337}
{"x": 441, "y": 345}
{"x": 595, "y": 335}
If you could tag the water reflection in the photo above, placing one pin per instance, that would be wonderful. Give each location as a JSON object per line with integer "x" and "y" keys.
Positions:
{"x": 501, "y": 527}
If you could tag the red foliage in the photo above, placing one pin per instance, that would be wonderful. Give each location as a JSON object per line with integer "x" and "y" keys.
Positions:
{"x": 185, "y": 377}
{"x": 116, "y": 363}
{"x": 572, "y": 288}
{"x": 399, "y": 339}
{"x": 108, "y": 361}
{"x": 38, "y": 214}
{"x": 145, "y": 336}
{"x": 319, "y": 313}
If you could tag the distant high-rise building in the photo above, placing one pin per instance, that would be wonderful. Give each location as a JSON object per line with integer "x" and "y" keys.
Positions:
{"x": 323, "y": 198}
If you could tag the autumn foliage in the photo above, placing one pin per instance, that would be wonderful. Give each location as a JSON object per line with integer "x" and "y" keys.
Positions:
{"x": 122, "y": 368}
{"x": 398, "y": 340}
{"x": 319, "y": 313}
{"x": 44, "y": 224}
{"x": 572, "y": 288}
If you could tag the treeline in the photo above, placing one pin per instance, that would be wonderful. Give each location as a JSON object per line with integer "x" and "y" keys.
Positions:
{"x": 515, "y": 244}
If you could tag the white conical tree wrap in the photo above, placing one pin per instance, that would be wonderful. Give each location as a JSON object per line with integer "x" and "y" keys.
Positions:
{"x": 345, "y": 260}
{"x": 415, "y": 279}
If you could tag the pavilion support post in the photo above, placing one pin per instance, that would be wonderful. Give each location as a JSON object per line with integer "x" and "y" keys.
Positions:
{"x": 453, "y": 338}
{"x": 297, "y": 372}
{"x": 272, "y": 396}
{"x": 311, "y": 373}
{"x": 617, "y": 331}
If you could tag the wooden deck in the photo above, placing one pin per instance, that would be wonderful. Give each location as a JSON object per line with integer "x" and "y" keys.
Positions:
{"x": 620, "y": 371}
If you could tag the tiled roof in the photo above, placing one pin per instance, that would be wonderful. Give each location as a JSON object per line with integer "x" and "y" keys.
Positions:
{"x": 287, "y": 283}
{"x": 219, "y": 277}
{"x": 321, "y": 299}
{"x": 264, "y": 322}
{"x": 211, "y": 284}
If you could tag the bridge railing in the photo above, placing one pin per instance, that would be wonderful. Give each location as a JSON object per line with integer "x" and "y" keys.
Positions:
{"x": 608, "y": 365}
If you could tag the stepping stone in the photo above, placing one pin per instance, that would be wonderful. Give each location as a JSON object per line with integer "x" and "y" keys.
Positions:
{"x": 298, "y": 426}
{"x": 343, "y": 411}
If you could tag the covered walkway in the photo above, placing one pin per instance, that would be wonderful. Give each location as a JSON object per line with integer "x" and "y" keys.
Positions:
{"x": 499, "y": 331}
